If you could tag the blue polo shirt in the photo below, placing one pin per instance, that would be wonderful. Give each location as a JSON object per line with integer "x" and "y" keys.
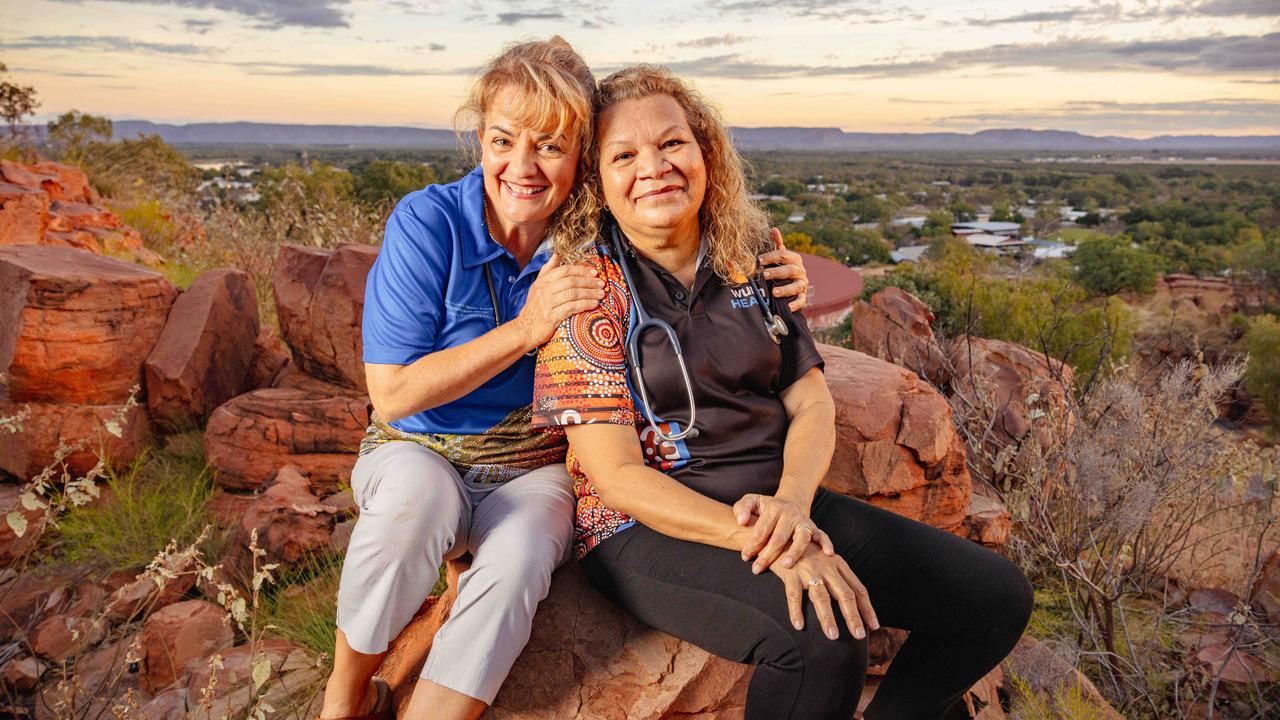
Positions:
{"x": 427, "y": 291}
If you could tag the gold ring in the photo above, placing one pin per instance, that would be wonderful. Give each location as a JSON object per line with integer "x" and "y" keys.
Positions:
{"x": 816, "y": 582}
{"x": 807, "y": 528}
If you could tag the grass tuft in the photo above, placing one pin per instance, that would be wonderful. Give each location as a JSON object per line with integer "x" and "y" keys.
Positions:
{"x": 161, "y": 496}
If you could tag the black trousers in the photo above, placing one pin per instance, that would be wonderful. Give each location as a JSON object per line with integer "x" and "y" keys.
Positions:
{"x": 965, "y": 607}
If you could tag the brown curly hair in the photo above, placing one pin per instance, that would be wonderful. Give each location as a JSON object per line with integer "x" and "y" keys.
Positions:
{"x": 736, "y": 228}
{"x": 558, "y": 93}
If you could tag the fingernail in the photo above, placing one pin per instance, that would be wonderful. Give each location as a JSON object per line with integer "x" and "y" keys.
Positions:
{"x": 756, "y": 568}
{"x": 875, "y": 624}
{"x": 798, "y": 625}
{"x": 859, "y": 633}
{"x": 744, "y": 557}
{"x": 833, "y": 633}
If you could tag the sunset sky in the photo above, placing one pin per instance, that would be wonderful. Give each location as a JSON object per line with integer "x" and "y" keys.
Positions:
{"x": 1130, "y": 68}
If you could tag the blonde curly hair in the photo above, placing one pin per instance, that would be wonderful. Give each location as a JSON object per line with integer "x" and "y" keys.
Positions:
{"x": 557, "y": 91}
{"x": 736, "y": 228}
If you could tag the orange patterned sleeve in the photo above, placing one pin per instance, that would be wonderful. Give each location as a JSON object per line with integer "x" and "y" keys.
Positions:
{"x": 581, "y": 374}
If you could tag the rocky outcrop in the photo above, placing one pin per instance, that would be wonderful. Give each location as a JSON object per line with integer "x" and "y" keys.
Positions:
{"x": 290, "y": 520}
{"x": 76, "y": 327}
{"x": 320, "y": 300}
{"x": 204, "y": 354}
{"x": 175, "y": 635}
{"x": 270, "y": 356}
{"x": 1265, "y": 593}
{"x": 26, "y": 453}
{"x": 250, "y": 437}
{"x": 1041, "y": 671}
{"x": 895, "y": 326}
{"x": 587, "y": 659}
{"x": 1008, "y": 394}
{"x": 896, "y": 446}
{"x": 51, "y": 204}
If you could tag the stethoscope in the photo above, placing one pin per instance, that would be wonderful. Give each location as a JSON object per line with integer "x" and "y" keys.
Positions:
{"x": 775, "y": 325}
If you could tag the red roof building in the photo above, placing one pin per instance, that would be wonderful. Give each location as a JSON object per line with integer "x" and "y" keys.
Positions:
{"x": 832, "y": 289}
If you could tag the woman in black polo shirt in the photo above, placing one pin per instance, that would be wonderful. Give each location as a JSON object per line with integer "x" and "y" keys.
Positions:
{"x": 666, "y": 502}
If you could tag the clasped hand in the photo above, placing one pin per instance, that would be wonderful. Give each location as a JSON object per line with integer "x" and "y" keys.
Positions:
{"x": 808, "y": 564}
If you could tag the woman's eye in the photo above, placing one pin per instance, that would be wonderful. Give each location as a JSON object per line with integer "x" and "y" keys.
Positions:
{"x": 623, "y": 156}
{"x": 501, "y": 142}
{"x": 672, "y": 143}
{"x": 550, "y": 148}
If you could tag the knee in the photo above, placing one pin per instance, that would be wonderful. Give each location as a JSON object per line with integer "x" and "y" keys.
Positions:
{"x": 1006, "y": 599}
{"x": 811, "y": 655}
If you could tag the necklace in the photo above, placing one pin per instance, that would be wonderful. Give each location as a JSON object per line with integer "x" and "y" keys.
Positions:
{"x": 488, "y": 221}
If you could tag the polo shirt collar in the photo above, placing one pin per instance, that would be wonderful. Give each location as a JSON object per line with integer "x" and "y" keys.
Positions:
{"x": 478, "y": 247}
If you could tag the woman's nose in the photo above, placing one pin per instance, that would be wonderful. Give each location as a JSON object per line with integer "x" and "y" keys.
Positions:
{"x": 652, "y": 163}
{"x": 524, "y": 162}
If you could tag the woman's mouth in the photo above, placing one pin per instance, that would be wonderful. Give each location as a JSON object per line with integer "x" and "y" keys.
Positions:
{"x": 660, "y": 193}
{"x": 524, "y": 191}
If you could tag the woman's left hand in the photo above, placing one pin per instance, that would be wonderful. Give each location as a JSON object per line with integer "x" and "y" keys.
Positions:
{"x": 783, "y": 264}
{"x": 783, "y": 530}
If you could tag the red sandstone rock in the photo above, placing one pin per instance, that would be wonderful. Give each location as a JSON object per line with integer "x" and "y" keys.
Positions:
{"x": 320, "y": 299}
{"x": 58, "y": 637}
{"x": 895, "y": 326}
{"x": 895, "y": 444}
{"x": 21, "y": 675}
{"x": 269, "y": 358}
{"x": 1046, "y": 674}
{"x": 988, "y": 521}
{"x": 291, "y": 521}
{"x": 25, "y": 454}
{"x": 12, "y": 546}
{"x": 203, "y": 356}
{"x": 64, "y": 182}
{"x": 291, "y": 377}
{"x": 177, "y": 634}
{"x": 76, "y": 327}
{"x": 237, "y": 667}
{"x": 168, "y": 705}
{"x": 1265, "y": 594}
{"x": 586, "y": 659}
{"x": 24, "y": 215}
{"x": 34, "y": 595}
{"x": 141, "y": 596}
{"x": 229, "y": 508}
{"x": 1017, "y": 393}
{"x": 250, "y": 437}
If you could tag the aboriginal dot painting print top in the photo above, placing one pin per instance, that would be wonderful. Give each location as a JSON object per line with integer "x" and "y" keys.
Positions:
{"x": 737, "y": 371}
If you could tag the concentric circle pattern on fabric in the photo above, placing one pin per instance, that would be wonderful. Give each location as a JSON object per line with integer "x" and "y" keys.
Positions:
{"x": 595, "y": 337}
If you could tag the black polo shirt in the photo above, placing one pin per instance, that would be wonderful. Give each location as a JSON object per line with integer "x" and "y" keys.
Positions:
{"x": 736, "y": 371}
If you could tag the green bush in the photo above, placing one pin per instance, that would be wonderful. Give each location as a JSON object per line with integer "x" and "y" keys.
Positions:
{"x": 1108, "y": 265}
{"x": 1262, "y": 378}
{"x": 386, "y": 181}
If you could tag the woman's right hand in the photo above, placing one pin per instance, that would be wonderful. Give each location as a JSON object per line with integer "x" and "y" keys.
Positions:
{"x": 558, "y": 292}
{"x": 825, "y": 577}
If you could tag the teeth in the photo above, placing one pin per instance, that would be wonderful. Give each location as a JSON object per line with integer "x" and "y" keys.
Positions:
{"x": 526, "y": 191}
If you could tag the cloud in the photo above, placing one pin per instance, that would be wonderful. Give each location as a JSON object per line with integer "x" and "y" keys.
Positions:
{"x": 1213, "y": 54}
{"x": 714, "y": 40}
{"x": 64, "y": 73}
{"x": 515, "y": 18}
{"x": 854, "y": 11}
{"x": 1114, "y": 12}
{"x": 1238, "y": 8}
{"x": 103, "y": 43}
{"x": 1208, "y": 114}
{"x": 198, "y": 26}
{"x": 338, "y": 70}
{"x": 270, "y": 14}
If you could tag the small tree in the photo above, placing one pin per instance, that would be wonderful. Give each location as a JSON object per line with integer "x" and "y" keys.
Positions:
{"x": 72, "y": 136}
{"x": 801, "y": 242}
{"x": 1108, "y": 265}
{"x": 1263, "y": 375}
{"x": 16, "y": 103}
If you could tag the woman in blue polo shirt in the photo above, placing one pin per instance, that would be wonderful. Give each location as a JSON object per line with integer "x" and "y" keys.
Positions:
{"x": 463, "y": 291}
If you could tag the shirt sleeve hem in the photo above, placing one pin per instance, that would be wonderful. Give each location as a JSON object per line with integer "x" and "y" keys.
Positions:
{"x": 392, "y": 355}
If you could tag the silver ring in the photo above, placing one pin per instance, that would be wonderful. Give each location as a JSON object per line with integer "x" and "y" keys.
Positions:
{"x": 816, "y": 582}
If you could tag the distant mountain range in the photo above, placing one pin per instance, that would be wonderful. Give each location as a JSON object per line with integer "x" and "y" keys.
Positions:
{"x": 768, "y": 138}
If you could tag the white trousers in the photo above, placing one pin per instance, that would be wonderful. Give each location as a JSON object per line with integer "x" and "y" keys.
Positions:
{"x": 415, "y": 512}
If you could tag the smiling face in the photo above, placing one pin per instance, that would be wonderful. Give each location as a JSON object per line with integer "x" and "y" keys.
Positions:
{"x": 651, "y": 169}
{"x": 528, "y": 172}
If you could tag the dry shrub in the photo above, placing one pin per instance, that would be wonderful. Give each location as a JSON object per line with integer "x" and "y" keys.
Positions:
{"x": 1113, "y": 490}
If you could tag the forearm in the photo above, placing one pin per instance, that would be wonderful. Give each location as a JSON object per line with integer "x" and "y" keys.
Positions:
{"x": 446, "y": 375}
{"x": 806, "y": 455}
{"x": 663, "y": 504}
